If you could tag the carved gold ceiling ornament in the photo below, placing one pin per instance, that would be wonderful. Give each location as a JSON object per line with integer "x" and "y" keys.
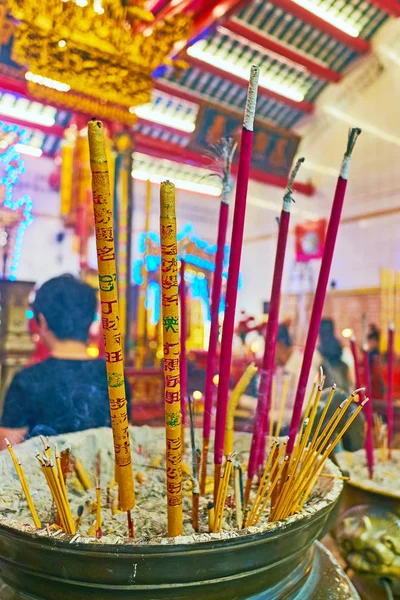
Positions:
{"x": 97, "y": 47}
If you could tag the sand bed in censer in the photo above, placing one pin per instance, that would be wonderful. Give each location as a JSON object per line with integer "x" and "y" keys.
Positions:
{"x": 150, "y": 512}
{"x": 386, "y": 472}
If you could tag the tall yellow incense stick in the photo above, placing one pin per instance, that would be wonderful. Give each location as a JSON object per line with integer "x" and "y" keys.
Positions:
{"x": 397, "y": 315}
{"x": 170, "y": 320}
{"x": 123, "y": 243}
{"x": 103, "y": 213}
{"x": 142, "y": 314}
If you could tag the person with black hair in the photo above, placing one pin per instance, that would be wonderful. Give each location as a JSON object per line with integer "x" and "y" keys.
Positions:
{"x": 330, "y": 349}
{"x": 68, "y": 391}
{"x": 373, "y": 341}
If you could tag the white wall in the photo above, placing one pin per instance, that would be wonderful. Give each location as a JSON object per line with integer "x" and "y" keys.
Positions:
{"x": 42, "y": 257}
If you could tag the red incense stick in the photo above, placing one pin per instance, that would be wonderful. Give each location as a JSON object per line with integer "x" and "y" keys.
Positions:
{"x": 353, "y": 348}
{"x": 320, "y": 292}
{"x": 369, "y": 438}
{"x": 225, "y": 151}
{"x": 233, "y": 272}
{"x": 183, "y": 334}
{"x": 261, "y": 423}
{"x": 390, "y": 387}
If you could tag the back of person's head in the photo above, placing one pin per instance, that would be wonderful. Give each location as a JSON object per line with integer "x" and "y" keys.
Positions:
{"x": 284, "y": 335}
{"x": 68, "y": 305}
{"x": 373, "y": 333}
{"x": 329, "y": 345}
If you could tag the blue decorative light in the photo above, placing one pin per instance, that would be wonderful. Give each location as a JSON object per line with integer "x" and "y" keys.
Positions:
{"x": 199, "y": 285}
{"x": 14, "y": 166}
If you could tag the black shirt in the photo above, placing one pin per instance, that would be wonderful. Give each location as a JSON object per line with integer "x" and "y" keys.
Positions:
{"x": 58, "y": 396}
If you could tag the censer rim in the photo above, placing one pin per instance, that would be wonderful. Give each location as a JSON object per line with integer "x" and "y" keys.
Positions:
{"x": 153, "y": 549}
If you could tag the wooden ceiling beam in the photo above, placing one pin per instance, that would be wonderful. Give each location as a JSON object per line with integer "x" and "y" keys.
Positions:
{"x": 268, "y": 43}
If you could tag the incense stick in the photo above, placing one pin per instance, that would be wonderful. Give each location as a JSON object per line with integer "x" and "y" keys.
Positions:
{"x": 369, "y": 438}
{"x": 233, "y": 272}
{"x": 225, "y": 150}
{"x": 320, "y": 293}
{"x": 183, "y": 336}
{"x": 221, "y": 497}
{"x": 24, "y": 484}
{"x": 103, "y": 213}
{"x": 195, "y": 474}
{"x": 353, "y": 348}
{"x": 238, "y": 499}
{"x": 142, "y": 312}
{"x": 261, "y": 427}
{"x": 390, "y": 361}
{"x": 99, "y": 531}
{"x": 237, "y": 393}
{"x": 172, "y": 374}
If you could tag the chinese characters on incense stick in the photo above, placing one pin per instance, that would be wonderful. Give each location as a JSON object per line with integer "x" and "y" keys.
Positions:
{"x": 103, "y": 215}
{"x": 172, "y": 393}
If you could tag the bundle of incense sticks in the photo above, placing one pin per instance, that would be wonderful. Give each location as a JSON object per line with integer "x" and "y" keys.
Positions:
{"x": 304, "y": 465}
{"x": 53, "y": 474}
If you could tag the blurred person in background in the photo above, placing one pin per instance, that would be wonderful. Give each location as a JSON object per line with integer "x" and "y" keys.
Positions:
{"x": 68, "y": 391}
{"x": 336, "y": 370}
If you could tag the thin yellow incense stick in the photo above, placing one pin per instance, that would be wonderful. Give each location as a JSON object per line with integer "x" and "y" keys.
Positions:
{"x": 274, "y": 470}
{"x": 211, "y": 516}
{"x": 237, "y": 393}
{"x": 82, "y": 474}
{"x": 270, "y": 491}
{"x": 172, "y": 393}
{"x": 310, "y": 400}
{"x": 142, "y": 313}
{"x": 272, "y": 411}
{"x": 219, "y": 498}
{"x": 99, "y": 532}
{"x": 331, "y": 476}
{"x": 285, "y": 389}
{"x": 238, "y": 500}
{"x": 322, "y": 417}
{"x": 57, "y": 500}
{"x": 264, "y": 482}
{"x": 222, "y": 493}
{"x": 103, "y": 213}
{"x": 24, "y": 484}
{"x": 68, "y": 519}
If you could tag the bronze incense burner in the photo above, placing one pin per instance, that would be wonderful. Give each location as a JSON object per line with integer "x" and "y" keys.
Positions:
{"x": 277, "y": 564}
{"x": 283, "y": 561}
{"x": 368, "y": 533}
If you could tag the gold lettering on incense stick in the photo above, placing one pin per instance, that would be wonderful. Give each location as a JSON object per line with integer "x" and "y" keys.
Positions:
{"x": 103, "y": 213}
{"x": 170, "y": 321}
